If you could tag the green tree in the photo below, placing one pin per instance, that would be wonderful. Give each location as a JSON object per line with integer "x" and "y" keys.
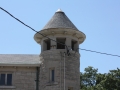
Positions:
{"x": 111, "y": 80}
{"x": 88, "y": 78}
{"x": 91, "y": 80}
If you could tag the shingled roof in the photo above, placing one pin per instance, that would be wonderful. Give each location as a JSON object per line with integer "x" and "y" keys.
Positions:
{"x": 60, "y": 20}
{"x": 19, "y": 60}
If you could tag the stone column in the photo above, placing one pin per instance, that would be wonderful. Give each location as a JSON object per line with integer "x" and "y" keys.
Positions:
{"x": 53, "y": 43}
{"x": 68, "y": 43}
{"x": 43, "y": 46}
{"x": 76, "y": 47}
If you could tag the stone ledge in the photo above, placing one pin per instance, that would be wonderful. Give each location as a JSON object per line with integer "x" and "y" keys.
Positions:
{"x": 7, "y": 87}
{"x": 51, "y": 83}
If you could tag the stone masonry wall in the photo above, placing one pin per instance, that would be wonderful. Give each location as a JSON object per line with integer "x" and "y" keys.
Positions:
{"x": 23, "y": 78}
{"x": 54, "y": 59}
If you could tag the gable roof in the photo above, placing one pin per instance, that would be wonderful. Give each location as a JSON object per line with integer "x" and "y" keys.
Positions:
{"x": 60, "y": 20}
{"x": 19, "y": 60}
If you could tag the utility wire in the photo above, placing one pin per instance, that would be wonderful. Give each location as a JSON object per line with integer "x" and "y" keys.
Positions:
{"x": 33, "y": 29}
{"x": 99, "y": 52}
{"x": 29, "y": 26}
{"x": 52, "y": 39}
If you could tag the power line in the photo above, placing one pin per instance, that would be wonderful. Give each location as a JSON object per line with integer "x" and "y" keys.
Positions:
{"x": 99, "y": 52}
{"x": 52, "y": 39}
{"x": 33, "y": 29}
{"x": 29, "y": 26}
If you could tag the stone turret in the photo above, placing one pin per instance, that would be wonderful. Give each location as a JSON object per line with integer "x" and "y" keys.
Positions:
{"x": 59, "y": 71}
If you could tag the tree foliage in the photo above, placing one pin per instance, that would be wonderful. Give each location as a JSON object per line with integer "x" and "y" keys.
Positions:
{"x": 92, "y": 80}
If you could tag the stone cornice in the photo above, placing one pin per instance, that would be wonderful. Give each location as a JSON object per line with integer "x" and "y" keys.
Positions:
{"x": 62, "y": 31}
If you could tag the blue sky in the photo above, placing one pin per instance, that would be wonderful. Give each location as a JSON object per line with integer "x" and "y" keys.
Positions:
{"x": 98, "y": 19}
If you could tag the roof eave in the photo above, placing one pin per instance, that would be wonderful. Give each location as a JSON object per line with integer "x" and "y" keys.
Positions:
{"x": 21, "y": 65}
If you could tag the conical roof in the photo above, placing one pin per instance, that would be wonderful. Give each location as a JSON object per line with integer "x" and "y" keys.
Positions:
{"x": 60, "y": 20}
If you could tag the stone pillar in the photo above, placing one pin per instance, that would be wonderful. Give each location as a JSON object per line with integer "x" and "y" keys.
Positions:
{"x": 53, "y": 43}
{"x": 76, "y": 47}
{"x": 43, "y": 46}
{"x": 68, "y": 43}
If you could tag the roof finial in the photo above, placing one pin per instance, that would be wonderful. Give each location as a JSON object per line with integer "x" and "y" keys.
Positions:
{"x": 59, "y": 10}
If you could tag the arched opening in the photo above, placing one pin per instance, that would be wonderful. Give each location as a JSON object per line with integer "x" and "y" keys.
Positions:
{"x": 46, "y": 45}
{"x": 61, "y": 40}
{"x": 74, "y": 45}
